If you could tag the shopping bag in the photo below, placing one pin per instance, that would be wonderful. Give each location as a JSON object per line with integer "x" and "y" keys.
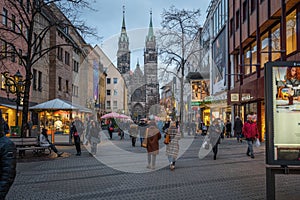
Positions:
{"x": 257, "y": 142}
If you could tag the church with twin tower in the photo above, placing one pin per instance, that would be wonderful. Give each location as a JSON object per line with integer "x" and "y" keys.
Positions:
{"x": 143, "y": 86}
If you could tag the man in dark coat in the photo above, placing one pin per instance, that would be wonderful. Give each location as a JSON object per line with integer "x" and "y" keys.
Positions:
{"x": 238, "y": 127}
{"x": 7, "y": 161}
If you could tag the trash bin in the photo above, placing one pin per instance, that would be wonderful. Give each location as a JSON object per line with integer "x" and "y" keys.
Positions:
{"x": 15, "y": 131}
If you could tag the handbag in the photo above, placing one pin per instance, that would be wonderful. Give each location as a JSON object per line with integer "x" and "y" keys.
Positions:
{"x": 144, "y": 144}
{"x": 167, "y": 139}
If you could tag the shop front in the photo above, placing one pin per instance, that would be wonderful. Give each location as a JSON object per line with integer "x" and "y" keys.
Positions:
{"x": 249, "y": 99}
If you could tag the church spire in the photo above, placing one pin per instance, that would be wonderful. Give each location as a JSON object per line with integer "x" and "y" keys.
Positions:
{"x": 150, "y": 35}
{"x": 123, "y": 36}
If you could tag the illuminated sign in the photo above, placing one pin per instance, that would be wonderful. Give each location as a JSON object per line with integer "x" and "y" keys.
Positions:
{"x": 282, "y": 97}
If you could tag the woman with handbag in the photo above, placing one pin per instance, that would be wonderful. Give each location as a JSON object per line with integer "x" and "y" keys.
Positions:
{"x": 94, "y": 136}
{"x": 172, "y": 149}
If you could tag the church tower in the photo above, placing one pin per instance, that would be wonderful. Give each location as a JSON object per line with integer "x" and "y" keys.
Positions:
{"x": 123, "y": 54}
{"x": 150, "y": 68}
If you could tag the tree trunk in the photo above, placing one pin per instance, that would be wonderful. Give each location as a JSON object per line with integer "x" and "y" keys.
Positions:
{"x": 24, "y": 126}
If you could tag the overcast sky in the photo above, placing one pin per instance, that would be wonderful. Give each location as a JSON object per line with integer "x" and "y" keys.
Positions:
{"x": 108, "y": 21}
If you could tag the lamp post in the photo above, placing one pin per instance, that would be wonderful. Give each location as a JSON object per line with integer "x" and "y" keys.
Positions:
{"x": 15, "y": 85}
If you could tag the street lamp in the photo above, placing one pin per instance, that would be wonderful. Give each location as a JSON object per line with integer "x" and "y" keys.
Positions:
{"x": 14, "y": 85}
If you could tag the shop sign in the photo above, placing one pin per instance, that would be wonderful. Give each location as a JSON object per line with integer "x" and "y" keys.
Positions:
{"x": 195, "y": 103}
{"x": 234, "y": 97}
{"x": 246, "y": 97}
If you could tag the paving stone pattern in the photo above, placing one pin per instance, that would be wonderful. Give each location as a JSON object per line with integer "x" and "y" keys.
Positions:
{"x": 232, "y": 176}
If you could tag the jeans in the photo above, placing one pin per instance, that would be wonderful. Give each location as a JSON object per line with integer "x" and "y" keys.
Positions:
{"x": 250, "y": 146}
{"x": 77, "y": 144}
{"x": 151, "y": 159}
{"x": 171, "y": 159}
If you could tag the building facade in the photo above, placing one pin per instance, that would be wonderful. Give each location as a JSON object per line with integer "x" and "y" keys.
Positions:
{"x": 259, "y": 31}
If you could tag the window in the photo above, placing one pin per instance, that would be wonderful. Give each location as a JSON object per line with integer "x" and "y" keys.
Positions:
{"x": 237, "y": 19}
{"x": 253, "y": 57}
{"x": 75, "y": 90}
{"x": 34, "y": 80}
{"x": 40, "y": 82}
{"x": 28, "y": 5}
{"x": 59, "y": 83}
{"x": 247, "y": 58}
{"x": 13, "y": 22}
{"x": 291, "y": 33}
{"x": 115, "y": 92}
{"x": 67, "y": 86}
{"x": 253, "y": 5}
{"x": 245, "y": 10}
{"x": 4, "y": 17}
{"x": 275, "y": 42}
{"x": 108, "y": 92}
{"x": 20, "y": 56}
{"x": 231, "y": 28}
{"x": 2, "y": 82}
{"x": 115, "y": 105}
{"x": 20, "y": 27}
{"x": 67, "y": 58}
{"x": 108, "y": 106}
{"x": 4, "y": 49}
{"x": 13, "y": 54}
{"x": 264, "y": 56}
{"x": 115, "y": 80}
{"x": 60, "y": 53}
{"x": 75, "y": 66}
{"x": 108, "y": 81}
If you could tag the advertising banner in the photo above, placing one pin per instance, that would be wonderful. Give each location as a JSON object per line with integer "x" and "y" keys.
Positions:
{"x": 282, "y": 82}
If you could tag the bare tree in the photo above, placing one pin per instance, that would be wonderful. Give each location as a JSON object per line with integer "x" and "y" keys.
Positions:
{"x": 24, "y": 29}
{"x": 177, "y": 38}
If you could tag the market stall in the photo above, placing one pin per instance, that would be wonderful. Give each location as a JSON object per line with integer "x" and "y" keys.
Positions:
{"x": 56, "y": 116}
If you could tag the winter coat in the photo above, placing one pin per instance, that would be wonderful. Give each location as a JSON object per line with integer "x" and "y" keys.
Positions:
{"x": 153, "y": 138}
{"x": 7, "y": 164}
{"x": 44, "y": 142}
{"x": 250, "y": 130}
{"x": 133, "y": 130}
{"x": 94, "y": 135}
{"x": 173, "y": 147}
{"x": 238, "y": 126}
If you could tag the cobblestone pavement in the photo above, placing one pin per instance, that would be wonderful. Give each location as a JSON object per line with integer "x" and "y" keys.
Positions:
{"x": 232, "y": 176}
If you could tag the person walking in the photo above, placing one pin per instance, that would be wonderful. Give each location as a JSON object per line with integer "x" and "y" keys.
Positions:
{"x": 44, "y": 142}
{"x": 153, "y": 136}
{"x": 238, "y": 127}
{"x": 215, "y": 132}
{"x": 77, "y": 128}
{"x": 172, "y": 148}
{"x": 133, "y": 131}
{"x": 8, "y": 160}
{"x": 94, "y": 136}
{"x": 111, "y": 129}
{"x": 250, "y": 132}
{"x": 142, "y": 130}
{"x": 228, "y": 128}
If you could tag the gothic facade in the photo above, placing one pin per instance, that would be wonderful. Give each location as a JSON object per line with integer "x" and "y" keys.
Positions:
{"x": 143, "y": 87}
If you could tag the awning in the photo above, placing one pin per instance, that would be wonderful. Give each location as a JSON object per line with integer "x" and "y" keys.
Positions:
{"x": 197, "y": 76}
{"x": 11, "y": 106}
{"x": 54, "y": 104}
{"x": 59, "y": 104}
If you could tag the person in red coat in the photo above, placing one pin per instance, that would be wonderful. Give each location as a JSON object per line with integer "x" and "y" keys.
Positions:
{"x": 250, "y": 132}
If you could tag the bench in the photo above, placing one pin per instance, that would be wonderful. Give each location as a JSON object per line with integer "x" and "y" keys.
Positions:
{"x": 29, "y": 143}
